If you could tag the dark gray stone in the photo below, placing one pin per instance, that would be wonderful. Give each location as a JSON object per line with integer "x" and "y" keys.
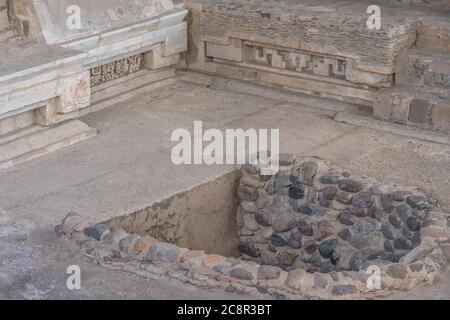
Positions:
{"x": 375, "y": 211}
{"x": 386, "y": 200}
{"x": 311, "y": 194}
{"x": 329, "y": 192}
{"x": 377, "y": 254}
{"x": 295, "y": 239}
{"x": 281, "y": 202}
{"x": 402, "y": 244}
{"x": 163, "y": 252}
{"x": 416, "y": 238}
{"x": 249, "y": 248}
{"x": 359, "y": 242}
{"x": 388, "y": 246}
{"x": 316, "y": 260}
{"x": 247, "y": 193}
{"x": 264, "y": 178}
{"x": 263, "y": 217}
{"x": 404, "y": 212}
{"x": 125, "y": 243}
{"x": 324, "y": 229}
{"x": 345, "y": 234}
{"x": 307, "y": 172}
{"x": 375, "y": 190}
{"x": 251, "y": 169}
{"x": 269, "y": 258}
{"x": 305, "y": 228}
{"x": 350, "y": 185}
{"x": 280, "y": 239}
{"x": 416, "y": 267}
{"x": 343, "y": 290}
{"x": 324, "y": 202}
{"x": 335, "y": 258}
{"x": 395, "y": 221}
{"x": 327, "y": 266}
{"x": 296, "y": 190}
{"x": 413, "y": 223}
{"x": 320, "y": 282}
{"x": 310, "y": 246}
{"x": 408, "y": 234}
{"x": 358, "y": 212}
{"x": 400, "y": 195}
{"x": 96, "y": 231}
{"x": 286, "y": 257}
{"x": 286, "y": 159}
{"x": 282, "y": 184}
{"x": 270, "y": 187}
{"x": 310, "y": 209}
{"x": 364, "y": 227}
{"x": 346, "y": 174}
{"x": 241, "y": 274}
{"x": 388, "y": 232}
{"x": 283, "y": 221}
{"x": 268, "y": 273}
{"x": 327, "y": 247}
{"x": 344, "y": 197}
{"x": 417, "y": 202}
{"x": 330, "y": 178}
{"x": 356, "y": 261}
{"x": 345, "y": 218}
{"x": 362, "y": 199}
{"x": 397, "y": 271}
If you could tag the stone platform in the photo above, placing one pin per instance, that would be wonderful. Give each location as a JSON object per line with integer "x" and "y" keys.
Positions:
{"x": 50, "y": 73}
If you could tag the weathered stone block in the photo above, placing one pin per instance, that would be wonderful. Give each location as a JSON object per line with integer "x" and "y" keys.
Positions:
{"x": 440, "y": 116}
{"x": 419, "y": 111}
{"x": 434, "y": 35}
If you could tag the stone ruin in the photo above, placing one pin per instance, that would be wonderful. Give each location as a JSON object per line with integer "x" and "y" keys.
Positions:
{"x": 312, "y": 230}
{"x": 309, "y": 231}
{"x": 325, "y": 48}
{"x": 52, "y": 72}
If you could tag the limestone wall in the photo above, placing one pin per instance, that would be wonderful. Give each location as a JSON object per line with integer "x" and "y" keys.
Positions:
{"x": 320, "y": 218}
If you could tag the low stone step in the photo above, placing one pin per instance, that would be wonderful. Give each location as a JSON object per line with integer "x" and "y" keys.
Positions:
{"x": 434, "y": 34}
{"x": 413, "y": 106}
{"x": 18, "y": 148}
{"x": 424, "y": 68}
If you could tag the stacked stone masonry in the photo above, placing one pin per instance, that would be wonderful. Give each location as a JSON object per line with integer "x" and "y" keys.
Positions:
{"x": 325, "y": 48}
{"x": 322, "y": 219}
{"x": 310, "y": 231}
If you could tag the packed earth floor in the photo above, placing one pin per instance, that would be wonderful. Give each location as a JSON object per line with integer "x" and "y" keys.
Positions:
{"x": 127, "y": 167}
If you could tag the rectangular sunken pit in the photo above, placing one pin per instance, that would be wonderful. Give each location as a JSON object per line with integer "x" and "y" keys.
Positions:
{"x": 312, "y": 230}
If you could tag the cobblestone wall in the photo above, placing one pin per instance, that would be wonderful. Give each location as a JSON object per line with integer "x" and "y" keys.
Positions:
{"x": 321, "y": 219}
{"x": 308, "y": 210}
